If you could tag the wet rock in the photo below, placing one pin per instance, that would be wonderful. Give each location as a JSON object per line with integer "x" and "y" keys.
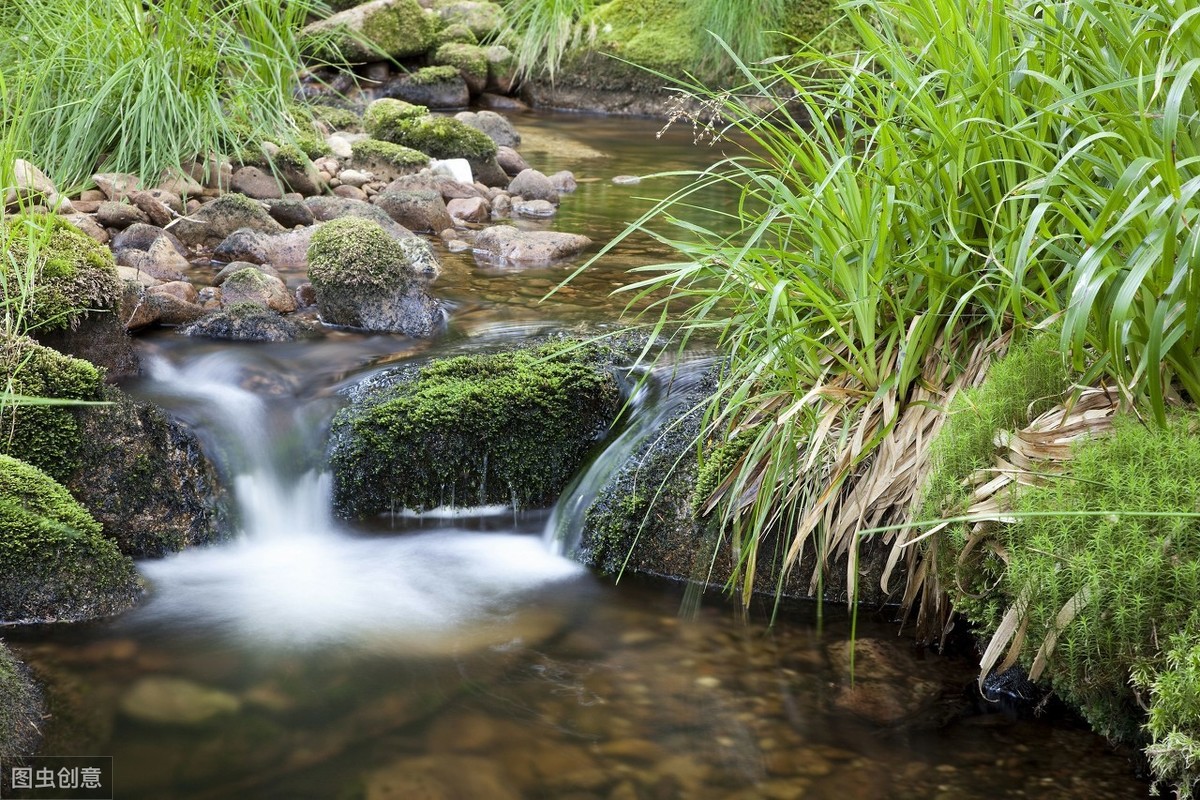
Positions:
{"x": 436, "y": 88}
{"x": 170, "y": 310}
{"x": 365, "y": 278}
{"x": 497, "y": 127}
{"x": 510, "y": 161}
{"x": 136, "y": 311}
{"x": 473, "y": 209}
{"x": 564, "y": 182}
{"x": 509, "y": 428}
{"x": 399, "y": 28}
{"x": 439, "y": 778}
{"x": 306, "y": 295}
{"x": 283, "y": 250}
{"x": 458, "y": 246}
{"x": 420, "y": 210}
{"x": 215, "y": 220}
{"x": 146, "y": 479}
{"x": 251, "y": 285}
{"x": 290, "y": 213}
{"x": 330, "y": 208}
{"x": 890, "y": 685}
{"x": 112, "y": 214}
{"x": 21, "y": 708}
{"x": 500, "y": 102}
{"x": 502, "y": 205}
{"x": 533, "y": 185}
{"x": 162, "y": 261}
{"x": 535, "y": 209}
{"x": 256, "y": 183}
{"x": 57, "y": 565}
{"x": 175, "y": 701}
{"x": 504, "y": 244}
{"x": 248, "y": 322}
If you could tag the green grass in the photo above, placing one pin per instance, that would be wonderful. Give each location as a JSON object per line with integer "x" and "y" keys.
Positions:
{"x": 118, "y": 87}
{"x": 541, "y": 32}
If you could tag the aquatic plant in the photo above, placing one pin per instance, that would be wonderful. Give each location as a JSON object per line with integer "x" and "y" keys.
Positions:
{"x": 132, "y": 87}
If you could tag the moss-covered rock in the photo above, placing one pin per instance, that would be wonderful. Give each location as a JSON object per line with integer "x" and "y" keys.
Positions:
{"x": 456, "y": 32}
{"x": 247, "y": 322}
{"x": 386, "y": 118}
{"x": 365, "y": 278}
{"x": 55, "y": 562}
{"x": 509, "y": 428}
{"x": 338, "y": 119}
{"x": 21, "y": 708}
{"x": 435, "y": 87}
{"x": 483, "y": 19}
{"x": 146, "y": 479}
{"x": 54, "y": 274}
{"x": 471, "y": 61}
{"x": 385, "y": 160}
{"x": 446, "y": 137}
{"x": 47, "y": 436}
{"x": 382, "y": 28}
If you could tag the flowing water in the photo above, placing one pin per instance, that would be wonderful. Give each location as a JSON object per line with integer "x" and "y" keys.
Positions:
{"x": 461, "y": 655}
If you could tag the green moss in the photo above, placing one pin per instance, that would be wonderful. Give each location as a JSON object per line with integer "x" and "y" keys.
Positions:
{"x": 660, "y": 34}
{"x": 446, "y": 137}
{"x": 484, "y": 19}
{"x": 338, "y": 119}
{"x": 396, "y": 156}
{"x": 56, "y": 563}
{"x": 351, "y": 252}
{"x": 46, "y": 436}
{"x": 386, "y": 118}
{"x": 470, "y": 60}
{"x": 427, "y": 76}
{"x": 291, "y": 157}
{"x": 54, "y": 274}
{"x": 718, "y": 464}
{"x": 248, "y": 280}
{"x": 20, "y": 708}
{"x": 508, "y": 428}
{"x": 405, "y": 29}
{"x": 456, "y": 32}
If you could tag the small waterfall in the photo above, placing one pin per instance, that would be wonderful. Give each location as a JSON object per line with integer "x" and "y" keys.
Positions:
{"x": 654, "y": 401}
{"x": 294, "y": 576}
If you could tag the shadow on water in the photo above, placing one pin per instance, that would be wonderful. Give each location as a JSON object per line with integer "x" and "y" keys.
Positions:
{"x": 457, "y": 655}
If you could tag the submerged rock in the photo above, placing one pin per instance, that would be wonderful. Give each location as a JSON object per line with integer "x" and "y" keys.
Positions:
{"x": 364, "y": 278}
{"x": 440, "y": 778}
{"x": 509, "y": 428}
{"x": 21, "y": 708}
{"x": 57, "y": 566}
{"x": 175, "y": 701}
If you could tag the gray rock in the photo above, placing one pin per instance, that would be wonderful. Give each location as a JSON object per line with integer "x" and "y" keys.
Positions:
{"x": 365, "y": 278}
{"x": 143, "y": 237}
{"x": 213, "y": 221}
{"x": 533, "y": 185}
{"x": 433, "y": 90}
{"x": 290, "y": 213}
{"x": 535, "y": 209}
{"x": 282, "y": 250}
{"x": 251, "y": 285}
{"x": 111, "y": 214}
{"x": 511, "y": 161}
{"x": 88, "y": 225}
{"x": 328, "y": 208}
{"x": 162, "y": 261}
{"x": 502, "y": 77}
{"x": 419, "y": 210}
{"x": 134, "y": 275}
{"x": 256, "y": 183}
{"x": 497, "y": 127}
{"x": 246, "y": 322}
{"x": 504, "y": 244}
{"x": 116, "y": 186}
{"x": 564, "y": 181}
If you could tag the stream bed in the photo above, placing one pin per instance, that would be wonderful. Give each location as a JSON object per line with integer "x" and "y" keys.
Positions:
{"x": 456, "y": 655}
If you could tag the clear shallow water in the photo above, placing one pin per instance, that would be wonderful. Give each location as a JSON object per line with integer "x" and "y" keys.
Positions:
{"x": 456, "y": 656}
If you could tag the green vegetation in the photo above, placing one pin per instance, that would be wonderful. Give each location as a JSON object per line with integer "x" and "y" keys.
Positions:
{"x": 20, "y": 708}
{"x": 387, "y": 118}
{"x": 446, "y": 137}
{"x": 508, "y": 428}
{"x": 470, "y": 61}
{"x": 44, "y": 434}
{"x": 339, "y": 119}
{"x": 52, "y": 274}
{"x": 130, "y": 87}
{"x": 56, "y": 563}
{"x": 397, "y": 30}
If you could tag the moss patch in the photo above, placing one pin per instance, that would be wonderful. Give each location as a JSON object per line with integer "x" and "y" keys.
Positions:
{"x": 54, "y": 273}
{"x": 386, "y": 118}
{"x": 446, "y": 137}
{"x": 56, "y": 563}
{"x": 508, "y": 428}
{"x": 44, "y": 435}
{"x": 338, "y": 119}
{"x": 470, "y": 60}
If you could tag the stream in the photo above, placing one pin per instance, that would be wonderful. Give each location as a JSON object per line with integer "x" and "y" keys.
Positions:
{"x": 461, "y": 655}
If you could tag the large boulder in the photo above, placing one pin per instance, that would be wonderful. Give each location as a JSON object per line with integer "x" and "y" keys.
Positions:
{"x": 21, "y": 708}
{"x": 508, "y": 245}
{"x": 56, "y": 563}
{"x": 508, "y": 428}
{"x": 211, "y": 223}
{"x": 393, "y": 28}
{"x": 496, "y": 126}
{"x": 146, "y": 479}
{"x": 365, "y": 278}
{"x": 281, "y": 250}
